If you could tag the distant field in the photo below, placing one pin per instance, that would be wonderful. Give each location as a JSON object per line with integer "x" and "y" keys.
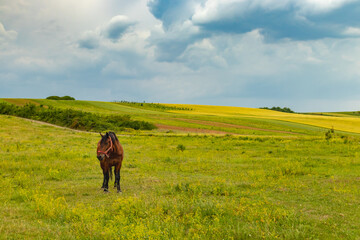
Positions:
{"x": 250, "y": 121}
{"x": 345, "y": 123}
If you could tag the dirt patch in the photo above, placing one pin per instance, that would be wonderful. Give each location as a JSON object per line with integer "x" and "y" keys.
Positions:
{"x": 20, "y": 101}
{"x": 193, "y": 130}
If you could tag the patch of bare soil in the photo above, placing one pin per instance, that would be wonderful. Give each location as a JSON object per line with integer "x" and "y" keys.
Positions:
{"x": 20, "y": 102}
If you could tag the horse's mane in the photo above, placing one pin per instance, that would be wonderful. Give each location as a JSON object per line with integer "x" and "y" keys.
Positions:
{"x": 112, "y": 135}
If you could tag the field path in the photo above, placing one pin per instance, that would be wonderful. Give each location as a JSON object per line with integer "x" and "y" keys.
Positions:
{"x": 53, "y": 125}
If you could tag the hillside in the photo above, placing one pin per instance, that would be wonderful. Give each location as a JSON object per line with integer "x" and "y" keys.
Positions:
{"x": 214, "y": 119}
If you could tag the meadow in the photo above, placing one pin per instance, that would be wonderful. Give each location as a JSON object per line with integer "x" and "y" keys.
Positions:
{"x": 265, "y": 177}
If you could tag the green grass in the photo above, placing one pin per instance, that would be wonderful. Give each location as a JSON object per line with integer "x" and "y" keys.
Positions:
{"x": 219, "y": 187}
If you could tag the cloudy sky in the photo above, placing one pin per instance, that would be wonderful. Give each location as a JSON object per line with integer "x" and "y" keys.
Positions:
{"x": 252, "y": 53}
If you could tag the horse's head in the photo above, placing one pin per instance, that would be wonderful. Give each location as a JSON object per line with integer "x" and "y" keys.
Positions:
{"x": 104, "y": 146}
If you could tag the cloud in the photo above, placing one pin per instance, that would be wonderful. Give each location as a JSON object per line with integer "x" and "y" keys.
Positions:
{"x": 7, "y": 35}
{"x": 89, "y": 40}
{"x": 183, "y": 23}
{"x": 172, "y": 43}
{"x": 172, "y": 12}
{"x": 112, "y": 30}
{"x": 117, "y": 26}
{"x": 176, "y": 31}
{"x": 297, "y": 20}
{"x": 321, "y": 6}
{"x": 352, "y": 31}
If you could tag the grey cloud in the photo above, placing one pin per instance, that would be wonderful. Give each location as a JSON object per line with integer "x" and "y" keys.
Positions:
{"x": 291, "y": 19}
{"x": 173, "y": 12}
{"x": 113, "y": 30}
{"x": 117, "y": 26}
{"x": 172, "y": 43}
{"x": 89, "y": 40}
{"x": 275, "y": 20}
{"x": 170, "y": 49}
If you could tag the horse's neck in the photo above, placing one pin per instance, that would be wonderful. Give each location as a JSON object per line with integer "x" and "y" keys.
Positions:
{"x": 117, "y": 148}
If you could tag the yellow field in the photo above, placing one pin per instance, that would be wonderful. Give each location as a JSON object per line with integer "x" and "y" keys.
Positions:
{"x": 347, "y": 124}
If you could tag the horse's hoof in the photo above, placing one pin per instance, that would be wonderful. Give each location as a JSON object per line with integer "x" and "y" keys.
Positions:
{"x": 106, "y": 190}
{"x": 119, "y": 191}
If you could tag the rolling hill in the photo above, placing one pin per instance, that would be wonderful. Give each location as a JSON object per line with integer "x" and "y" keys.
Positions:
{"x": 214, "y": 119}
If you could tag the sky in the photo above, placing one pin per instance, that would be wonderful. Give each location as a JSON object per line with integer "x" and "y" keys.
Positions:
{"x": 249, "y": 53}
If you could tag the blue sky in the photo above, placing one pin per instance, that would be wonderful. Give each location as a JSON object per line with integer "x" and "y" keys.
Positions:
{"x": 252, "y": 53}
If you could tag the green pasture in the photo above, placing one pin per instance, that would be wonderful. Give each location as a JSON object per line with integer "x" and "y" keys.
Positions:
{"x": 220, "y": 187}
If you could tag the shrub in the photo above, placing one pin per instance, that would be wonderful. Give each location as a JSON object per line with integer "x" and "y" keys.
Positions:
{"x": 67, "y": 98}
{"x": 74, "y": 119}
{"x": 60, "y": 98}
{"x": 329, "y": 134}
{"x": 279, "y": 109}
{"x": 53, "y": 98}
{"x": 180, "y": 147}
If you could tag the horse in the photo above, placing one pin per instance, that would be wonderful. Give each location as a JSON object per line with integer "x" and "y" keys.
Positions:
{"x": 110, "y": 154}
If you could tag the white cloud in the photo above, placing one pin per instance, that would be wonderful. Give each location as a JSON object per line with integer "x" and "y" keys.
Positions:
{"x": 120, "y": 68}
{"x": 352, "y": 31}
{"x": 115, "y": 33}
{"x": 320, "y": 6}
{"x": 35, "y": 64}
{"x": 7, "y": 35}
{"x": 214, "y": 10}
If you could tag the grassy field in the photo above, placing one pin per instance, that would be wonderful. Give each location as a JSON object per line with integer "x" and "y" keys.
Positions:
{"x": 270, "y": 177}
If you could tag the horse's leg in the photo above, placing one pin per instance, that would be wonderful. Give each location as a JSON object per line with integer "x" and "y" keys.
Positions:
{"x": 103, "y": 185}
{"x": 115, "y": 177}
{"x": 106, "y": 180}
{"x": 118, "y": 181}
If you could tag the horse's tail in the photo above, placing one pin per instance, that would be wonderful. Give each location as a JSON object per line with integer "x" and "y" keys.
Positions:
{"x": 111, "y": 173}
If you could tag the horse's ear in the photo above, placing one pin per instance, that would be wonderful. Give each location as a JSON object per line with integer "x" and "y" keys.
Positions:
{"x": 101, "y": 135}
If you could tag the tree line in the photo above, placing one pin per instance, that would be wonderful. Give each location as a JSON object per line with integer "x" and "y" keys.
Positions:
{"x": 279, "y": 109}
{"x": 152, "y": 105}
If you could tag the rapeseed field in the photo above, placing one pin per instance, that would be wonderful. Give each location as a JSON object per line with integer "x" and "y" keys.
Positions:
{"x": 344, "y": 123}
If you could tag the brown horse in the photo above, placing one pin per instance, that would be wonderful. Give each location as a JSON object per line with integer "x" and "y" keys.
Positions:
{"x": 110, "y": 154}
